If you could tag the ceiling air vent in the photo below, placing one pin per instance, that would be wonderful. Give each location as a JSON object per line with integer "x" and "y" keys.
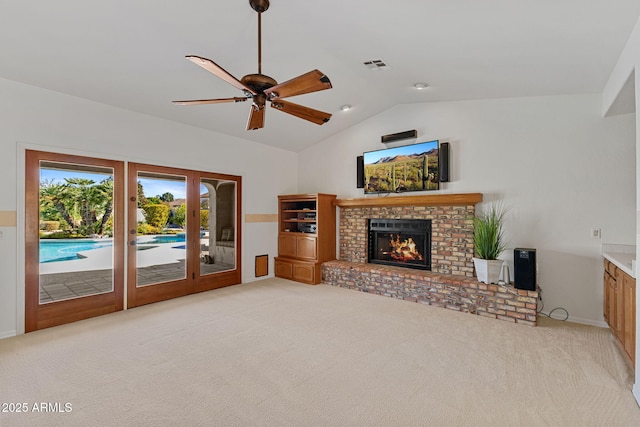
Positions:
{"x": 375, "y": 64}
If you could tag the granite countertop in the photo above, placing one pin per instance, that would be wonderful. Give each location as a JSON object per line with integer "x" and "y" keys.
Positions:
{"x": 622, "y": 256}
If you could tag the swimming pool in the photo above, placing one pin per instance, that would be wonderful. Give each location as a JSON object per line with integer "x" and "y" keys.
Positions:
{"x": 67, "y": 249}
{"x": 55, "y": 250}
{"x": 165, "y": 238}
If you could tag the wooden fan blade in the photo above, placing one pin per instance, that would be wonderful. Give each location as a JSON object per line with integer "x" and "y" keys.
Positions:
{"x": 315, "y": 116}
{"x": 312, "y": 81}
{"x": 209, "y": 101}
{"x": 214, "y": 68}
{"x": 256, "y": 117}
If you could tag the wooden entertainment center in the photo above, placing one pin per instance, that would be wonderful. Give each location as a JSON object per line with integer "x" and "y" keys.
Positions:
{"x": 306, "y": 236}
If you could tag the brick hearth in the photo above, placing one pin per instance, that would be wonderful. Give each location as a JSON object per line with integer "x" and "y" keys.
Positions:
{"x": 458, "y": 293}
{"x": 450, "y": 284}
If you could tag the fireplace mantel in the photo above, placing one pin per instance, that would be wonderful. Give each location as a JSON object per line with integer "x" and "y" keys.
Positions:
{"x": 463, "y": 199}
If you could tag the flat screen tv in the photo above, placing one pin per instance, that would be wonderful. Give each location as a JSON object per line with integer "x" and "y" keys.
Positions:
{"x": 407, "y": 168}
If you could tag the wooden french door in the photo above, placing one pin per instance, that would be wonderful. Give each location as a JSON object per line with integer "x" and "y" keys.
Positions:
{"x": 74, "y": 238}
{"x": 218, "y": 215}
{"x": 183, "y": 235}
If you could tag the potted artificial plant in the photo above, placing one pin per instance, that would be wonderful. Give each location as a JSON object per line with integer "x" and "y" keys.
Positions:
{"x": 488, "y": 243}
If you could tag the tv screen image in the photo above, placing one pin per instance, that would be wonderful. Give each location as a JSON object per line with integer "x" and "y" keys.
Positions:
{"x": 407, "y": 168}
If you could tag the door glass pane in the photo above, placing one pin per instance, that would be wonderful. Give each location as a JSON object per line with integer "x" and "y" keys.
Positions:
{"x": 161, "y": 230}
{"x": 76, "y": 231}
{"x": 217, "y": 225}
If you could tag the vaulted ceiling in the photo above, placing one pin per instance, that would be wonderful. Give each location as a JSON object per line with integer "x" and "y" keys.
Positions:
{"x": 130, "y": 54}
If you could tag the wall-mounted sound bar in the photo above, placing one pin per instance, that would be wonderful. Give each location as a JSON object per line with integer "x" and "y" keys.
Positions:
{"x": 360, "y": 171}
{"x": 399, "y": 136}
{"x": 443, "y": 161}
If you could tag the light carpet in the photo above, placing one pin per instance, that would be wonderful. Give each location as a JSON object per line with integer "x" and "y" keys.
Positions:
{"x": 280, "y": 353}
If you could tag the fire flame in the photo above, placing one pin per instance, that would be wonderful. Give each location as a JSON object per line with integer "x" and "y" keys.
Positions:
{"x": 405, "y": 250}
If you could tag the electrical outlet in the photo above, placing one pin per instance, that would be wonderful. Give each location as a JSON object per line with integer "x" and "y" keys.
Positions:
{"x": 595, "y": 233}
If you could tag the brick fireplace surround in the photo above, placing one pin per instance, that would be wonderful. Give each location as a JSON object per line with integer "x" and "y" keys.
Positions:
{"x": 450, "y": 283}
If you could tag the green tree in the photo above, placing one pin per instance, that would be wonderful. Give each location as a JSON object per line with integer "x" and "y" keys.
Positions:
{"x": 204, "y": 219}
{"x": 153, "y": 200}
{"x": 52, "y": 202}
{"x": 81, "y": 203}
{"x": 166, "y": 197}
{"x": 142, "y": 200}
{"x": 180, "y": 215}
{"x": 106, "y": 188}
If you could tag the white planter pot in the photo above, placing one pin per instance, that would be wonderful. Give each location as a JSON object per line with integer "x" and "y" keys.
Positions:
{"x": 488, "y": 271}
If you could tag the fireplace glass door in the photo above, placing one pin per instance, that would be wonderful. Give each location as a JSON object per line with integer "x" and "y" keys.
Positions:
{"x": 401, "y": 242}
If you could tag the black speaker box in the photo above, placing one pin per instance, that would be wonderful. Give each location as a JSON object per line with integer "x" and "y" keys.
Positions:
{"x": 408, "y": 134}
{"x": 360, "y": 171}
{"x": 524, "y": 269}
{"x": 443, "y": 162}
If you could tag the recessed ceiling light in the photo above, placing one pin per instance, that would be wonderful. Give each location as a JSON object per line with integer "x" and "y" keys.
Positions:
{"x": 345, "y": 108}
{"x": 421, "y": 86}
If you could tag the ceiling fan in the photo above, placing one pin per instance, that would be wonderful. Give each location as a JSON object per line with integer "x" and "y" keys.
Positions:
{"x": 261, "y": 88}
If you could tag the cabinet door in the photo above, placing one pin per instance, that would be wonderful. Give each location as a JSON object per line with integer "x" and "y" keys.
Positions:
{"x": 605, "y": 294}
{"x": 304, "y": 273}
{"x": 283, "y": 269}
{"x": 629, "y": 296}
{"x": 611, "y": 302}
{"x": 306, "y": 247}
{"x": 619, "y": 310}
{"x": 287, "y": 245}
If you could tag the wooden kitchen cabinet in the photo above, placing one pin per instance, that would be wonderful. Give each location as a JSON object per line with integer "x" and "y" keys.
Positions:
{"x": 306, "y": 236}
{"x": 629, "y": 316}
{"x": 620, "y": 308}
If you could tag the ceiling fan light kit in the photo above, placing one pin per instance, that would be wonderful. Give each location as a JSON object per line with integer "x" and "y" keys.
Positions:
{"x": 261, "y": 88}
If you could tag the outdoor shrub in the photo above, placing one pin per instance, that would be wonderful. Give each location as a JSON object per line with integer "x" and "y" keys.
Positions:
{"x": 204, "y": 219}
{"x": 59, "y": 235}
{"x": 144, "y": 228}
{"x": 156, "y": 215}
{"x": 49, "y": 225}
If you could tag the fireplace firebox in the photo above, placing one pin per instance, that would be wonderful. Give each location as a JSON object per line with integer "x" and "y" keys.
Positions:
{"x": 400, "y": 242}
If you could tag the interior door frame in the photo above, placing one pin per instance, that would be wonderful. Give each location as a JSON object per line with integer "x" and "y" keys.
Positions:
{"x": 40, "y": 316}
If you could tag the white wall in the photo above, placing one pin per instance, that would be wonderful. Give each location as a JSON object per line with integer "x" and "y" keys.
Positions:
{"x": 31, "y": 117}
{"x": 629, "y": 65}
{"x": 555, "y": 161}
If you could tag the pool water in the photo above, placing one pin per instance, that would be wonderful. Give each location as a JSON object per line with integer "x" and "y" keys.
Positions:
{"x": 167, "y": 238}
{"x": 55, "y": 250}
{"x": 67, "y": 249}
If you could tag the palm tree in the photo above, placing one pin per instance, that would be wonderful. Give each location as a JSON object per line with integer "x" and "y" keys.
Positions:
{"x": 90, "y": 200}
{"x": 54, "y": 195}
{"x": 106, "y": 187}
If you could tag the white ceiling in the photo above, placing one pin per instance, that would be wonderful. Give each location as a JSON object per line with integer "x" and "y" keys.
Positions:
{"x": 130, "y": 54}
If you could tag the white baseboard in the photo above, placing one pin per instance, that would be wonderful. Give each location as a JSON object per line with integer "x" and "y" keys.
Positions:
{"x": 255, "y": 279}
{"x": 636, "y": 392}
{"x": 7, "y": 334}
{"x": 601, "y": 324}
